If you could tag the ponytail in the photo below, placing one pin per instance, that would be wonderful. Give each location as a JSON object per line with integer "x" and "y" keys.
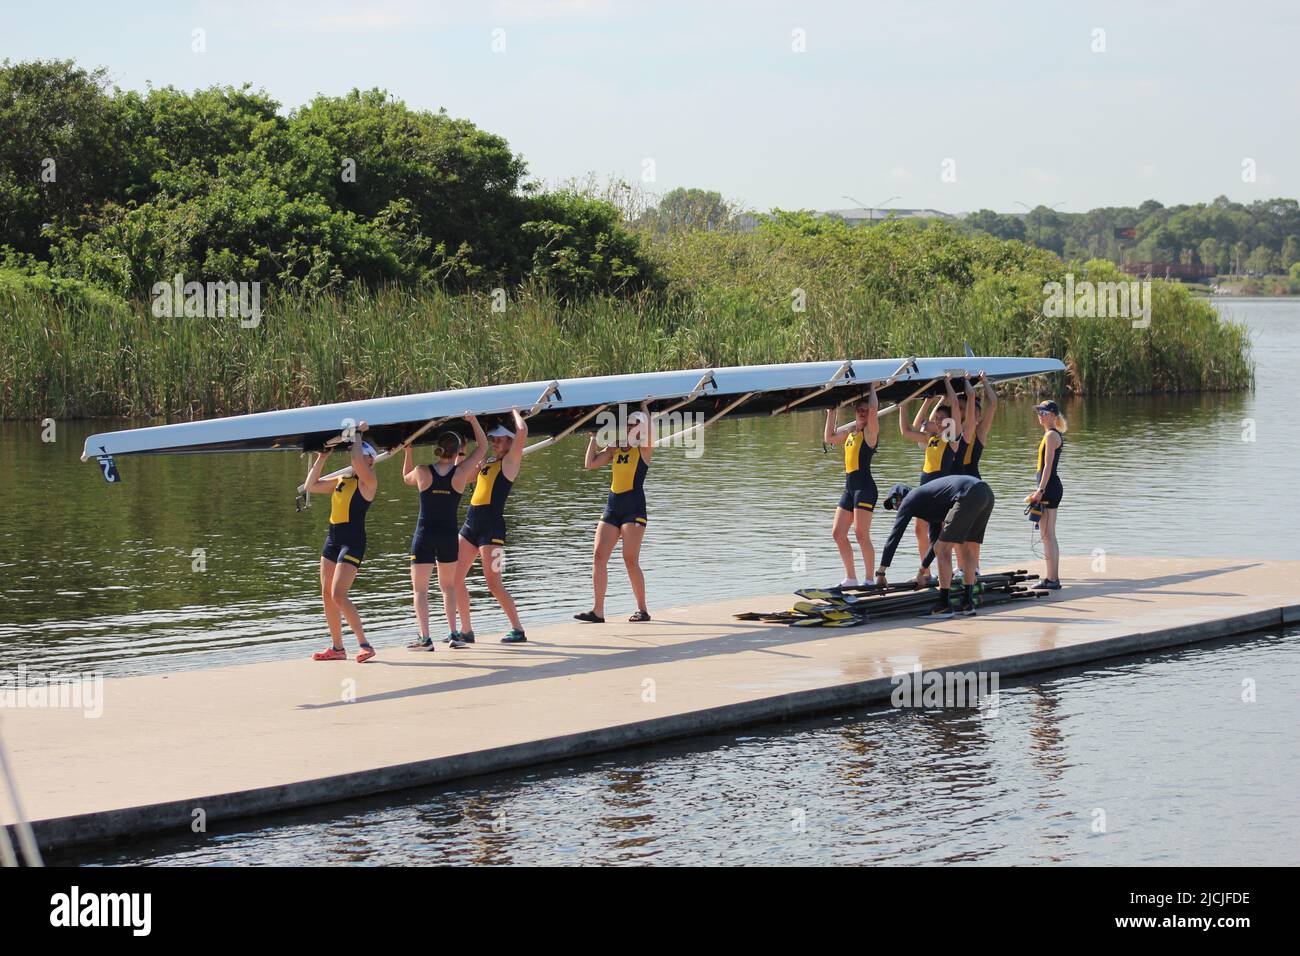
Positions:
{"x": 1062, "y": 425}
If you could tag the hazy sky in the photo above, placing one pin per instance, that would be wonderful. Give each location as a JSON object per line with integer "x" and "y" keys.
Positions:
{"x": 715, "y": 94}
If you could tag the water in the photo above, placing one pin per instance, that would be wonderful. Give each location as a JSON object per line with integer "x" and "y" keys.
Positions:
{"x": 104, "y": 576}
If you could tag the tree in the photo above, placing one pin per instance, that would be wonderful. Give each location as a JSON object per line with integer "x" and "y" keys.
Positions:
{"x": 1290, "y": 252}
{"x": 1261, "y": 260}
{"x": 682, "y": 210}
{"x": 58, "y": 148}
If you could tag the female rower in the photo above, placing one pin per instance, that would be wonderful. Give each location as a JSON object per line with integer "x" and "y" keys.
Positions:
{"x": 977, "y": 419}
{"x": 938, "y": 430}
{"x": 435, "y": 541}
{"x": 345, "y": 546}
{"x": 484, "y": 533}
{"x": 625, "y": 513}
{"x": 1045, "y": 500}
{"x": 860, "y": 438}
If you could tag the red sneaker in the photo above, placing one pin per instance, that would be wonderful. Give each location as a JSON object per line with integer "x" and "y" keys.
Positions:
{"x": 330, "y": 654}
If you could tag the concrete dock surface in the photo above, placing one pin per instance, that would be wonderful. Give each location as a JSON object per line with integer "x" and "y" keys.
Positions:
{"x": 233, "y": 741}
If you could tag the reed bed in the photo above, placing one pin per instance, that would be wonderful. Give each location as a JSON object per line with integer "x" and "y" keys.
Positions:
{"x": 67, "y": 352}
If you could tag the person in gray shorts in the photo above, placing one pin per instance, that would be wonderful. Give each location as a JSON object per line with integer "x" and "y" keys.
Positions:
{"x": 957, "y": 507}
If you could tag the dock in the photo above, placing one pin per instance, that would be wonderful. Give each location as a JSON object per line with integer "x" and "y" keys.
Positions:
{"x": 221, "y": 743}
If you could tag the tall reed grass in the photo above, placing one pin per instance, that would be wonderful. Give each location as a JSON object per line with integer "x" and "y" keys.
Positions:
{"x": 67, "y": 352}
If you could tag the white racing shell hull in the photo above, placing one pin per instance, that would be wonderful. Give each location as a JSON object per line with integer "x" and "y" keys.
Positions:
{"x": 394, "y": 420}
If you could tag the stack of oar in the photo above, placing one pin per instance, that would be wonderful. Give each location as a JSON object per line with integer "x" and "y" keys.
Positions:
{"x": 852, "y": 607}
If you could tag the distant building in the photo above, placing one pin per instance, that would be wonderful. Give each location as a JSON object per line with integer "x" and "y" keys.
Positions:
{"x": 858, "y": 217}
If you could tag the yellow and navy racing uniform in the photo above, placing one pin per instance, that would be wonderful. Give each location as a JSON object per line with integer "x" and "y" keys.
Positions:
{"x": 967, "y": 461}
{"x": 626, "y": 501}
{"x": 1052, "y": 491}
{"x": 435, "y": 530}
{"x": 485, "y": 522}
{"x": 859, "y": 485}
{"x": 347, "y": 535}
{"x": 940, "y": 459}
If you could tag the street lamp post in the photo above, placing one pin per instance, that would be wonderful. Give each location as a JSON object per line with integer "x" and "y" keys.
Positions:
{"x": 1039, "y": 241}
{"x": 871, "y": 211}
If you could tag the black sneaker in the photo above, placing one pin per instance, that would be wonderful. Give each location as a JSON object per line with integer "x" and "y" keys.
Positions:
{"x": 942, "y": 609}
{"x": 1047, "y": 584}
{"x": 461, "y": 639}
{"x": 967, "y": 609}
{"x": 420, "y": 644}
{"x": 514, "y": 637}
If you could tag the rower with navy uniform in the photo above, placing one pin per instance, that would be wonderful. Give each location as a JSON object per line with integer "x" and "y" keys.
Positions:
{"x": 977, "y": 418}
{"x": 1045, "y": 499}
{"x": 857, "y": 505}
{"x": 345, "y": 545}
{"x": 483, "y": 534}
{"x": 625, "y": 514}
{"x": 435, "y": 541}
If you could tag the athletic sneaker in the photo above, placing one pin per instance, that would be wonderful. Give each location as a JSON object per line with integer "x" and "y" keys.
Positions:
{"x": 514, "y": 637}
{"x": 850, "y": 583}
{"x": 451, "y": 637}
{"x": 967, "y": 609}
{"x": 330, "y": 654}
{"x": 420, "y": 644}
{"x": 942, "y": 609}
{"x": 1047, "y": 584}
{"x": 461, "y": 638}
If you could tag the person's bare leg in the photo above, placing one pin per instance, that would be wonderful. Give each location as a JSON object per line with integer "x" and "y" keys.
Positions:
{"x": 943, "y": 557}
{"x": 494, "y": 557}
{"x": 840, "y": 532}
{"x": 862, "y": 530}
{"x": 603, "y": 547}
{"x": 1051, "y": 548}
{"x": 332, "y": 617}
{"x": 968, "y": 561}
{"x": 344, "y": 574}
{"x": 468, "y": 555}
{"x": 447, "y": 585}
{"x": 633, "y": 536}
{"x": 420, "y": 574}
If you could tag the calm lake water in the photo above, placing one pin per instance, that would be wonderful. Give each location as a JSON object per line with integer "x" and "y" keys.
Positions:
{"x": 103, "y": 576}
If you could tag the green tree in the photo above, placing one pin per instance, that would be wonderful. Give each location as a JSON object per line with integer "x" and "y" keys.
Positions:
{"x": 682, "y": 210}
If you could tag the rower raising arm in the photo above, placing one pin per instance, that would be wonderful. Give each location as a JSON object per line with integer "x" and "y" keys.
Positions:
{"x": 510, "y": 463}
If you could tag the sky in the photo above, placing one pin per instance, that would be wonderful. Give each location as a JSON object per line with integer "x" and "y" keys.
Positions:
{"x": 949, "y": 105}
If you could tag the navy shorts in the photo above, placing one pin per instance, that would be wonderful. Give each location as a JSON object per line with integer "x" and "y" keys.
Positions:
{"x": 1052, "y": 495}
{"x": 627, "y": 507}
{"x": 481, "y": 528}
{"x": 862, "y": 494}
{"x": 435, "y": 544}
{"x": 342, "y": 545}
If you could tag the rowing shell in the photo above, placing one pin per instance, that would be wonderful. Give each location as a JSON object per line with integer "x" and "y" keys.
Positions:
{"x": 560, "y": 407}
